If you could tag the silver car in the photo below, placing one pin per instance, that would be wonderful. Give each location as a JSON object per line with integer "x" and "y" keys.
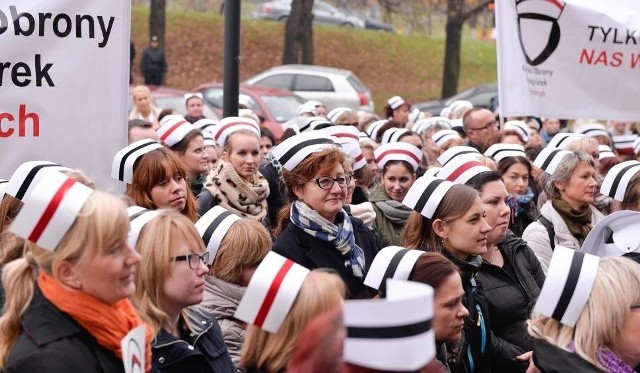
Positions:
{"x": 329, "y": 85}
{"x": 323, "y": 13}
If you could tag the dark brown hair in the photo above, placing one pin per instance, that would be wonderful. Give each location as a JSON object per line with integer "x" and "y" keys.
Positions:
{"x": 506, "y": 163}
{"x": 432, "y": 269}
{"x": 181, "y": 146}
{"x": 152, "y": 169}
{"x": 418, "y": 233}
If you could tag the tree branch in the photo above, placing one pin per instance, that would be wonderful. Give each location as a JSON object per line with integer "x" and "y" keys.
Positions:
{"x": 475, "y": 10}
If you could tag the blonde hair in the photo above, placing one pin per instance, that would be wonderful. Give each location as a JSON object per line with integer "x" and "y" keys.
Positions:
{"x": 321, "y": 291}
{"x": 616, "y": 288}
{"x": 246, "y": 243}
{"x": 101, "y": 223}
{"x": 156, "y": 240}
{"x": 227, "y": 145}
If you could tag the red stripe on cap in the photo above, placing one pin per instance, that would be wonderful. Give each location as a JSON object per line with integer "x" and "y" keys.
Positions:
{"x": 217, "y": 135}
{"x": 170, "y": 130}
{"x": 273, "y": 291}
{"x": 343, "y": 134}
{"x": 464, "y": 167}
{"x": 50, "y": 210}
{"x": 358, "y": 158}
{"x": 398, "y": 151}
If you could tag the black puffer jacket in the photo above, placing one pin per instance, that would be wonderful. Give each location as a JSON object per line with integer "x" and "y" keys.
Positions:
{"x": 511, "y": 292}
{"x": 311, "y": 252}
{"x": 53, "y": 342}
{"x": 476, "y": 349}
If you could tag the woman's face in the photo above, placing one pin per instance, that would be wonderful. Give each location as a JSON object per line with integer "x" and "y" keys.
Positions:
{"x": 578, "y": 191}
{"x": 348, "y": 169}
{"x": 182, "y": 285}
{"x": 108, "y": 276}
{"x": 195, "y": 157}
{"x": 244, "y": 154}
{"x": 497, "y": 213}
{"x": 212, "y": 157}
{"x": 449, "y": 313}
{"x": 371, "y": 160}
{"x": 401, "y": 114}
{"x": 194, "y": 107}
{"x": 170, "y": 193}
{"x": 466, "y": 235}
{"x": 142, "y": 100}
{"x": 265, "y": 145}
{"x": 516, "y": 179}
{"x": 414, "y": 140}
{"x": 628, "y": 344}
{"x": 397, "y": 180}
{"x": 327, "y": 203}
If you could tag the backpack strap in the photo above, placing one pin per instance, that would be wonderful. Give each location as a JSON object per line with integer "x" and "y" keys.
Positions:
{"x": 550, "y": 230}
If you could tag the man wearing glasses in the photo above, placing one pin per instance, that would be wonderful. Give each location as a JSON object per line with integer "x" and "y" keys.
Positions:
{"x": 481, "y": 128}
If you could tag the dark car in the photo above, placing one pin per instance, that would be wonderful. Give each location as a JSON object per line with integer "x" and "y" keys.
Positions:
{"x": 479, "y": 96}
{"x": 372, "y": 24}
{"x": 276, "y": 106}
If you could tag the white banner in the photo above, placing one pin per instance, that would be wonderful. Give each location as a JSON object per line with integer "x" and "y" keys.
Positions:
{"x": 64, "y": 74}
{"x": 569, "y": 59}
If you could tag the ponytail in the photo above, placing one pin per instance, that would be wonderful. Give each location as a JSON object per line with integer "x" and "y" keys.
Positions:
{"x": 18, "y": 281}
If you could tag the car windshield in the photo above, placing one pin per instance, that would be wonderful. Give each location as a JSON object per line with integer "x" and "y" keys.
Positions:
{"x": 283, "y": 108}
{"x": 356, "y": 83}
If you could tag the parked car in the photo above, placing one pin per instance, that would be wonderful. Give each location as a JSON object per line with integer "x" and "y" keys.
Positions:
{"x": 331, "y": 86}
{"x": 173, "y": 98}
{"x": 323, "y": 13}
{"x": 479, "y": 96}
{"x": 276, "y": 106}
{"x": 373, "y": 24}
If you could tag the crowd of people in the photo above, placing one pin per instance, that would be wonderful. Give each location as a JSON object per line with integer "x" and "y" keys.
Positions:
{"x": 461, "y": 243}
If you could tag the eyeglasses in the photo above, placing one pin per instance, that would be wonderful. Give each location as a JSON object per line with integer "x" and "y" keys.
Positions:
{"x": 326, "y": 182}
{"x": 354, "y": 124}
{"x": 493, "y": 123}
{"x": 635, "y": 306}
{"x": 193, "y": 259}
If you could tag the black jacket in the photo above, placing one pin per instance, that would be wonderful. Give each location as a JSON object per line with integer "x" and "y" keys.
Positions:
{"x": 551, "y": 359}
{"x": 153, "y": 60}
{"x": 194, "y": 352}
{"x": 312, "y": 253}
{"x": 511, "y": 292}
{"x": 53, "y": 342}
{"x": 476, "y": 349}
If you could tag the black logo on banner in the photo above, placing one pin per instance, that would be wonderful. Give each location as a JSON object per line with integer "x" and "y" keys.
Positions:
{"x": 536, "y": 17}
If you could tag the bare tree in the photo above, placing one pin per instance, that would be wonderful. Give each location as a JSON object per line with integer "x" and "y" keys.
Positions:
{"x": 298, "y": 35}
{"x": 456, "y": 16}
{"x": 157, "y": 20}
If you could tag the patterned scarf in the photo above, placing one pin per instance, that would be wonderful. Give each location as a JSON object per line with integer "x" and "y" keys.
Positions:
{"x": 270, "y": 158}
{"x": 341, "y": 235}
{"x": 247, "y": 199}
{"x": 608, "y": 359}
{"x": 516, "y": 203}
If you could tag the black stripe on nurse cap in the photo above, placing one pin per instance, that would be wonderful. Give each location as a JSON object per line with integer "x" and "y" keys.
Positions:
{"x": 393, "y": 333}
{"x": 391, "y": 262}
{"x": 213, "y": 226}
{"x": 456, "y": 151}
{"x": 296, "y": 148}
{"x": 125, "y": 158}
{"x": 549, "y": 159}
{"x": 425, "y": 195}
{"x": 562, "y": 140}
{"x": 138, "y": 218}
{"x": 27, "y": 175}
{"x": 568, "y": 285}
{"x": 617, "y": 180}
{"x": 501, "y": 151}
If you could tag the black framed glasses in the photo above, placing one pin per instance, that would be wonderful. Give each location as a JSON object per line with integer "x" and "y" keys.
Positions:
{"x": 326, "y": 182}
{"x": 493, "y": 123}
{"x": 193, "y": 259}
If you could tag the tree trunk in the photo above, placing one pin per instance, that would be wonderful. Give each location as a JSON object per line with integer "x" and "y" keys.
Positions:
{"x": 157, "y": 20}
{"x": 456, "y": 16}
{"x": 298, "y": 35}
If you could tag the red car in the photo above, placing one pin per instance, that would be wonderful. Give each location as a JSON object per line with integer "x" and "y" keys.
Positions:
{"x": 275, "y": 106}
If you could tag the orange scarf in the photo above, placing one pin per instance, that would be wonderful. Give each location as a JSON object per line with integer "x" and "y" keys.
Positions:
{"x": 107, "y": 324}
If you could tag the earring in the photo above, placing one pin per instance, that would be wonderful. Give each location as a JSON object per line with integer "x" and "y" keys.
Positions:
{"x": 442, "y": 240}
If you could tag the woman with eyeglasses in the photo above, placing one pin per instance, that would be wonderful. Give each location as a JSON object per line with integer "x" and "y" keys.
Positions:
{"x": 313, "y": 229}
{"x": 398, "y": 163}
{"x": 169, "y": 279}
{"x": 195, "y": 105}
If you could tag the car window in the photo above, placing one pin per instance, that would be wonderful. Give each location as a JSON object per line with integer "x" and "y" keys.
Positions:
{"x": 322, "y": 7}
{"x": 282, "y": 108}
{"x": 356, "y": 83}
{"x": 313, "y": 83}
{"x": 213, "y": 96}
{"x": 483, "y": 99}
{"x": 282, "y": 81}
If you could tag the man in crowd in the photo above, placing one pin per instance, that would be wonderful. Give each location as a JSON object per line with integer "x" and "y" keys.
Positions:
{"x": 153, "y": 63}
{"x": 481, "y": 127}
